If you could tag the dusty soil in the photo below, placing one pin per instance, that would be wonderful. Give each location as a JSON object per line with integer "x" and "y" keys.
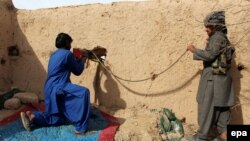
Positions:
{"x": 140, "y": 123}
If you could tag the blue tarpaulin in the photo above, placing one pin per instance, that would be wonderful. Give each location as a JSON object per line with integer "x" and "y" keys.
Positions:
{"x": 14, "y": 131}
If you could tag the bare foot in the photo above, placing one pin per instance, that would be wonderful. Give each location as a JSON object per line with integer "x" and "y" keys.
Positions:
{"x": 30, "y": 115}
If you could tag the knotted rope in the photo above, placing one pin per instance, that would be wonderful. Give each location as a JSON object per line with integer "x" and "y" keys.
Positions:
{"x": 138, "y": 80}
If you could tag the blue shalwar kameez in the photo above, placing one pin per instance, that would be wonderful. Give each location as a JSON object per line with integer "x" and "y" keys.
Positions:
{"x": 64, "y": 102}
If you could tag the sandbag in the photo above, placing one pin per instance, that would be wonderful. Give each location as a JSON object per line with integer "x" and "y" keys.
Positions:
{"x": 170, "y": 125}
{"x": 7, "y": 95}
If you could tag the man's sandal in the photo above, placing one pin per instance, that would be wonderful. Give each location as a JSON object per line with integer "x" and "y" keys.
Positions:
{"x": 26, "y": 122}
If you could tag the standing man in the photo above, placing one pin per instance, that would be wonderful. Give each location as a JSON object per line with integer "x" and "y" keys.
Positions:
{"x": 215, "y": 93}
{"x": 64, "y": 102}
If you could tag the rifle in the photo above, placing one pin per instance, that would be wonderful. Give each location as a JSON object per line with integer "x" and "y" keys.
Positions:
{"x": 97, "y": 52}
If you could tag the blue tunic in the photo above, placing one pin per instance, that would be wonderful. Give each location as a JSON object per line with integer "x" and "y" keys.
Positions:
{"x": 64, "y": 101}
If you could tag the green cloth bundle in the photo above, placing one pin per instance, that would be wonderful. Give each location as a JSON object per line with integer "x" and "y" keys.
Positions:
{"x": 170, "y": 125}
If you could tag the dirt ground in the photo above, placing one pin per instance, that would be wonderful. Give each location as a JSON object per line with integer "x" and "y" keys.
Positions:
{"x": 141, "y": 123}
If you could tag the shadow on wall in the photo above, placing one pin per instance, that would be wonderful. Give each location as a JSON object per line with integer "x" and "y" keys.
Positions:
{"x": 237, "y": 115}
{"x": 111, "y": 98}
{"x": 28, "y": 74}
{"x": 6, "y": 11}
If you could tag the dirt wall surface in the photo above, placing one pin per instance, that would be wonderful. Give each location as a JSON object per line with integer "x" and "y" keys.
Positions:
{"x": 142, "y": 39}
{"x": 6, "y": 38}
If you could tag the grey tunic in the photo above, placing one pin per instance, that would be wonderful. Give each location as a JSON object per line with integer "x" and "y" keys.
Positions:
{"x": 215, "y": 91}
{"x": 221, "y": 88}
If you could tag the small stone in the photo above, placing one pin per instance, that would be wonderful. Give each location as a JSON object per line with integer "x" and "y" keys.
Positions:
{"x": 160, "y": 131}
{"x": 163, "y": 137}
{"x": 136, "y": 123}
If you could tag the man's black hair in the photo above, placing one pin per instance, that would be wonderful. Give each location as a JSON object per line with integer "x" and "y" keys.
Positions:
{"x": 62, "y": 40}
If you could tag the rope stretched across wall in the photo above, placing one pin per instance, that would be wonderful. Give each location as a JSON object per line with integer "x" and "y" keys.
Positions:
{"x": 185, "y": 84}
{"x": 139, "y": 80}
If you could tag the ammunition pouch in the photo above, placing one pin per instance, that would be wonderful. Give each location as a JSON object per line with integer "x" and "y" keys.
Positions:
{"x": 223, "y": 62}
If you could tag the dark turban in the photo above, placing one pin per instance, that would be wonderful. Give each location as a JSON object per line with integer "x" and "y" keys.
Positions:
{"x": 215, "y": 18}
